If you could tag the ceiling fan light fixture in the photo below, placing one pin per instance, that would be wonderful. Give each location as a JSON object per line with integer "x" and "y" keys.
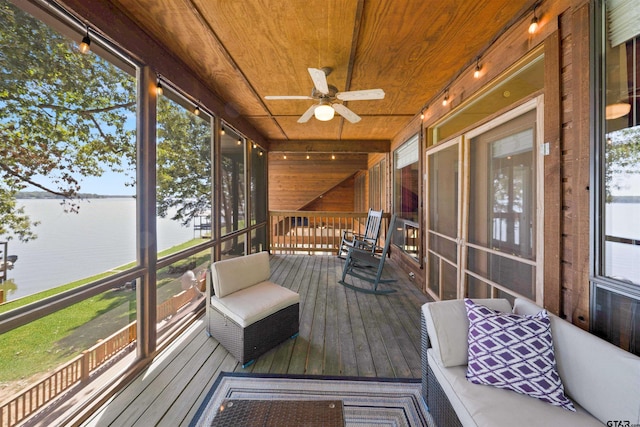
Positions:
{"x": 324, "y": 112}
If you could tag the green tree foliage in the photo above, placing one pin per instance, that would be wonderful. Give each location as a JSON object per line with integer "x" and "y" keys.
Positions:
{"x": 63, "y": 116}
{"x": 622, "y": 156}
{"x": 183, "y": 162}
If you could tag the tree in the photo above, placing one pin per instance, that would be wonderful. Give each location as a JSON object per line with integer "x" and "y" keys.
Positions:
{"x": 183, "y": 163}
{"x": 622, "y": 157}
{"x": 63, "y": 116}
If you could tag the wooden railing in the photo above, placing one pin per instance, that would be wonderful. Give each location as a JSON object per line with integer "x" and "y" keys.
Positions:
{"x": 307, "y": 232}
{"x": 79, "y": 369}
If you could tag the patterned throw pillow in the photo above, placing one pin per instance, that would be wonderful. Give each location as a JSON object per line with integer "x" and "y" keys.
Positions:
{"x": 514, "y": 352}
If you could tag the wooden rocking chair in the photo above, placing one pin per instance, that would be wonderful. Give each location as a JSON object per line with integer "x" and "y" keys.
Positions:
{"x": 367, "y": 265}
{"x": 368, "y": 240}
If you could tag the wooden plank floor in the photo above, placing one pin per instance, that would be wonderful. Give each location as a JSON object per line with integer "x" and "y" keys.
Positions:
{"x": 342, "y": 333}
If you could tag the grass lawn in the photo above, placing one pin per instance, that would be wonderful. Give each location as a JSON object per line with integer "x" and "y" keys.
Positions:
{"x": 46, "y": 343}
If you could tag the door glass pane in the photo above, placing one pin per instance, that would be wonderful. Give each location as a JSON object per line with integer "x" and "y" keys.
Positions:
{"x": 502, "y": 204}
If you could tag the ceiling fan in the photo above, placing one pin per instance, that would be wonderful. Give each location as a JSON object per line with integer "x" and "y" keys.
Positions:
{"x": 327, "y": 95}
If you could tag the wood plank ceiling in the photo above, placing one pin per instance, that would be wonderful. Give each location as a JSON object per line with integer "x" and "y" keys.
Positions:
{"x": 245, "y": 50}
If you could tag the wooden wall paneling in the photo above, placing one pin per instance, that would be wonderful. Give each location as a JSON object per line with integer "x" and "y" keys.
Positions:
{"x": 568, "y": 143}
{"x": 297, "y": 181}
{"x": 338, "y": 199}
{"x": 552, "y": 175}
{"x": 576, "y": 298}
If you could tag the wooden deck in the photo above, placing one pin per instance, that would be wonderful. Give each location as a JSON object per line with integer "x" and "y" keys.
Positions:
{"x": 342, "y": 333}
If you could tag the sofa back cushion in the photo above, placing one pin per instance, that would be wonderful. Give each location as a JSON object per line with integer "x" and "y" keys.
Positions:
{"x": 233, "y": 274}
{"x": 448, "y": 327}
{"x": 600, "y": 377}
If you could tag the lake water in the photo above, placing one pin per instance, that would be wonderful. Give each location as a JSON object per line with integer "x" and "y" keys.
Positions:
{"x": 101, "y": 237}
{"x": 74, "y": 246}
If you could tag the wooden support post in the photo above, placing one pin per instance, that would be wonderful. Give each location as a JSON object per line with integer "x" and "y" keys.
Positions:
{"x": 84, "y": 374}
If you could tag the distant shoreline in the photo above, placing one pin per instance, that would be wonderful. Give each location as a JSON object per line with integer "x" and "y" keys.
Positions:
{"x": 625, "y": 199}
{"x": 45, "y": 195}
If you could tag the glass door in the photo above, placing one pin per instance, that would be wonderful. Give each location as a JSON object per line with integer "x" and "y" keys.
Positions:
{"x": 502, "y": 251}
{"x": 484, "y": 216}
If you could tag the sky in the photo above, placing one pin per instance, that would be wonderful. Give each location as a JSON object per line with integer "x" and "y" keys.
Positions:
{"x": 109, "y": 184}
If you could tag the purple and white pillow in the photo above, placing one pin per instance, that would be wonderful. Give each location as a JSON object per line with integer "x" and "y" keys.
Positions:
{"x": 514, "y": 352}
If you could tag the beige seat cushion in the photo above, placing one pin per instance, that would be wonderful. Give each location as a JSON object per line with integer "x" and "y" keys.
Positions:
{"x": 486, "y": 406}
{"x": 249, "y": 305}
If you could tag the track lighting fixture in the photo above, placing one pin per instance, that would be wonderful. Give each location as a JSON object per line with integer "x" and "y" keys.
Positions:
{"x": 196, "y": 111}
{"x": 222, "y": 130}
{"x": 534, "y": 21}
{"x": 445, "y": 100}
{"x": 85, "y": 45}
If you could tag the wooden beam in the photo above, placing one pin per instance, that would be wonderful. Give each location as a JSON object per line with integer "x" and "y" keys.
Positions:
{"x": 553, "y": 177}
{"x": 325, "y": 146}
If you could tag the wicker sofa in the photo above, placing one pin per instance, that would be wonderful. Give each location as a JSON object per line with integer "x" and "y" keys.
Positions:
{"x": 247, "y": 313}
{"x": 602, "y": 380}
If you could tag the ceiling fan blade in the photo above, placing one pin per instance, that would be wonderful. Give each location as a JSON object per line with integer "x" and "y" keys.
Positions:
{"x": 346, "y": 113}
{"x": 360, "y": 95}
{"x": 307, "y": 114}
{"x": 319, "y": 78}
{"x": 287, "y": 97}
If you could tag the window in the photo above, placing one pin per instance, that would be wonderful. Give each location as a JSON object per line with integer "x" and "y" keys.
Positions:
{"x": 232, "y": 210}
{"x": 67, "y": 196}
{"x": 183, "y": 173}
{"x": 616, "y": 312}
{"x": 406, "y": 198}
{"x": 183, "y": 205}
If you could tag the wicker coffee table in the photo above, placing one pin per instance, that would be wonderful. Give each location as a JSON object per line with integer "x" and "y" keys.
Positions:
{"x": 250, "y": 413}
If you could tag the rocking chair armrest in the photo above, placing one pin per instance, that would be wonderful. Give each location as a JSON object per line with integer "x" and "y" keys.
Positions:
{"x": 360, "y": 242}
{"x": 351, "y": 235}
{"x": 364, "y": 247}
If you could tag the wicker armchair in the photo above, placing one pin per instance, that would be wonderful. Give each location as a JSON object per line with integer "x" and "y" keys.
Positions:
{"x": 247, "y": 313}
